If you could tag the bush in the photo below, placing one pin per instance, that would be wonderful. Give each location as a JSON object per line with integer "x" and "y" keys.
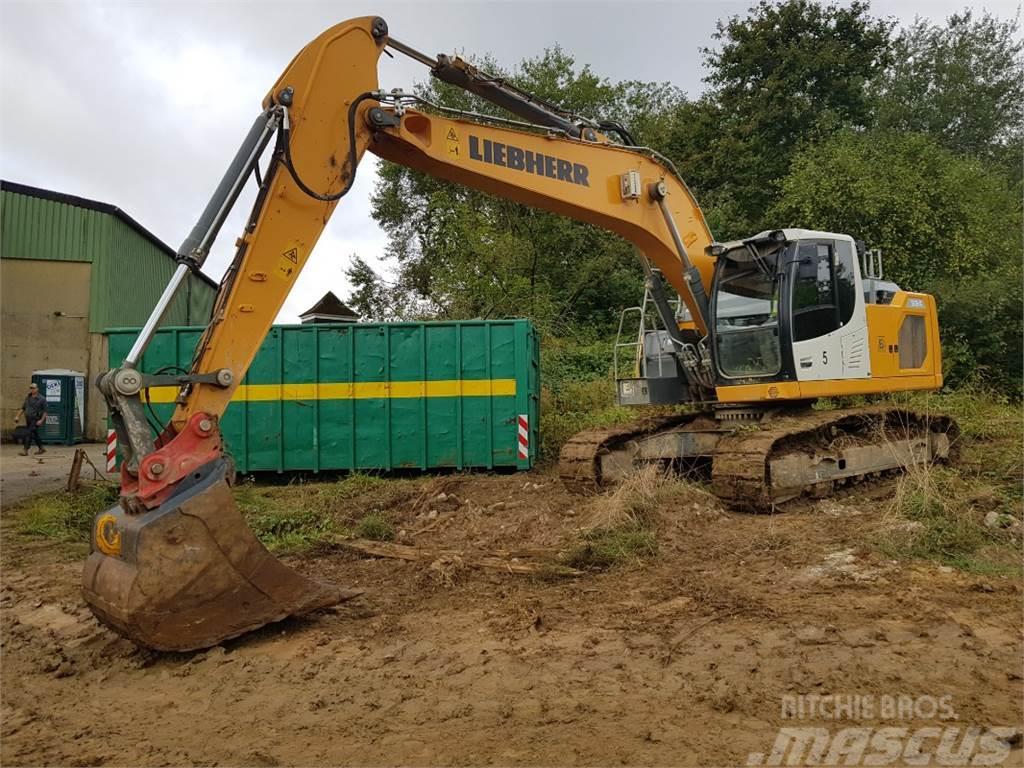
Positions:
{"x": 578, "y": 392}
{"x": 980, "y": 322}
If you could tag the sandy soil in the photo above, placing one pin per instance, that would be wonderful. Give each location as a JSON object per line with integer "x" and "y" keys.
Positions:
{"x": 682, "y": 660}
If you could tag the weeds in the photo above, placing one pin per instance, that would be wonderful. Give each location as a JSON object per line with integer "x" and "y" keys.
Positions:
{"x": 620, "y": 526}
{"x": 284, "y": 531}
{"x": 376, "y": 527}
{"x": 300, "y": 516}
{"x": 63, "y": 515}
{"x": 603, "y": 548}
{"x": 632, "y": 503}
{"x": 936, "y": 514}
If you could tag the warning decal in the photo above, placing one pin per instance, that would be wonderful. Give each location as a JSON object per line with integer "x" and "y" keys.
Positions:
{"x": 452, "y": 140}
{"x": 288, "y": 264}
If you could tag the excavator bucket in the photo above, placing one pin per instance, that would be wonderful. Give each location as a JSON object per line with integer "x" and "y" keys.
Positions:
{"x": 190, "y": 573}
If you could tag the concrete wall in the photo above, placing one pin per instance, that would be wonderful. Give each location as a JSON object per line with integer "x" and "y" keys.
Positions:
{"x": 32, "y": 335}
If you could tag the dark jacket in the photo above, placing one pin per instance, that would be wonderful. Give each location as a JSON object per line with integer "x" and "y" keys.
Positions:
{"x": 34, "y": 408}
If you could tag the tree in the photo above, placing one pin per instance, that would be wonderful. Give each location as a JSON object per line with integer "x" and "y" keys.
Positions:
{"x": 948, "y": 225}
{"x": 458, "y": 253}
{"x": 962, "y": 84}
{"x": 779, "y": 73}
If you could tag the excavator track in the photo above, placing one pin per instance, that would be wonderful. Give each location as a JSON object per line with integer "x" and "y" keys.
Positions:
{"x": 579, "y": 463}
{"x": 786, "y": 456}
{"x": 813, "y": 453}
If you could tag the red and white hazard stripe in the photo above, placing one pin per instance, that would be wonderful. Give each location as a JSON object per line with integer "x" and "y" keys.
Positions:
{"x": 111, "y": 450}
{"x": 524, "y": 436}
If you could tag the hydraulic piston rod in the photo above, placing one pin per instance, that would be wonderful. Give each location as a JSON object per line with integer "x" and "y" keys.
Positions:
{"x": 691, "y": 276}
{"x": 196, "y": 247}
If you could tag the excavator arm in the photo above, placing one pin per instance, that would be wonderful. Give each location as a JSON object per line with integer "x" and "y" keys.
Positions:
{"x": 174, "y": 566}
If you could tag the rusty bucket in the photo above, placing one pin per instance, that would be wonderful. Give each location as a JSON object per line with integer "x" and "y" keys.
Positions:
{"x": 190, "y": 573}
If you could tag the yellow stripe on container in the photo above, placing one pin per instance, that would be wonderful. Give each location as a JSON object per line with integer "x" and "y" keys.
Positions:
{"x": 362, "y": 390}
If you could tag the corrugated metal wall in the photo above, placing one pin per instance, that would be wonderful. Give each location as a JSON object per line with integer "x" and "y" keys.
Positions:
{"x": 31, "y": 228}
{"x": 129, "y": 271}
{"x": 128, "y": 277}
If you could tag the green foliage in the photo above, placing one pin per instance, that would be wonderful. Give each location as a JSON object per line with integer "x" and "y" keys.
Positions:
{"x": 62, "y": 515}
{"x": 981, "y": 330}
{"x": 578, "y": 392}
{"x": 780, "y": 73}
{"x": 947, "y": 224}
{"x": 932, "y": 213}
{"x": 376, "y": 527}
{"x": 565, "y": 361}
{"x": 961, "y": 83}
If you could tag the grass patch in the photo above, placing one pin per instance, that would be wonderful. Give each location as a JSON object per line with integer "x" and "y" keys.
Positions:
{"x": 620, "y": 526}
{"x": 938, "y": 512}
{"x": 289, "y": 532}
{"x": 62, "y": 515}
{"x": 939, "y": 515}
{"x": 281, "y": 523}
{"x": 982, "y": 413}
{"x": 301, "y": 516}
{"x": 376, "y": 527}
{"x": 603, "y": 548}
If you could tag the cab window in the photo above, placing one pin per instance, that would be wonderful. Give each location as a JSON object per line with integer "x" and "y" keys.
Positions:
{"x": 824, "y": 292}
{"x": 846, "y": 281}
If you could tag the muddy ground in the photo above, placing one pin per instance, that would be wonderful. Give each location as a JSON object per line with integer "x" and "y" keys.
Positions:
{"x": 683, "y": 659}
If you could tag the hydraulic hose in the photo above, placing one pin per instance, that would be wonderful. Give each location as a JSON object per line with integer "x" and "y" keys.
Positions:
{"x": 352, "y": 159}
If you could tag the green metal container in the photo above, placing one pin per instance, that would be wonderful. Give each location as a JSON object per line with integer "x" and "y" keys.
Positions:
{"x": 372, "y": 396}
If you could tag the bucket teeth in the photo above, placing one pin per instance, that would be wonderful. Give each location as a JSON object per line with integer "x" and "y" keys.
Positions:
{"x": 191, "y": 574}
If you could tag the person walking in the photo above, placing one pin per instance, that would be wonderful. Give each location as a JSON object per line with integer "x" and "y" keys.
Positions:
{"x": 34, "y": 410}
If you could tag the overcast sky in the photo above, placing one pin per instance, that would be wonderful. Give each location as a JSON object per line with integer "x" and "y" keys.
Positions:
{"x": 142, "y": 105}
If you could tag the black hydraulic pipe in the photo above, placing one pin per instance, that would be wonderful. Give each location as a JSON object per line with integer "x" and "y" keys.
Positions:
{"x": 196, "y": 246}
{"x": 656, "y": 285}
{"x": 503, "y": 96}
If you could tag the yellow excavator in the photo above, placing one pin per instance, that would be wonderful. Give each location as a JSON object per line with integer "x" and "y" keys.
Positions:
{"x": 761, "y": 327}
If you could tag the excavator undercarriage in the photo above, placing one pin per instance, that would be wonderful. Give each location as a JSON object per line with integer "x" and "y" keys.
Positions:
{"x": 761, "y": 459}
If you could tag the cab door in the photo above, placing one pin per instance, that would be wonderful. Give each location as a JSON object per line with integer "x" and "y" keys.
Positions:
{"x": 828, "y": 324}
